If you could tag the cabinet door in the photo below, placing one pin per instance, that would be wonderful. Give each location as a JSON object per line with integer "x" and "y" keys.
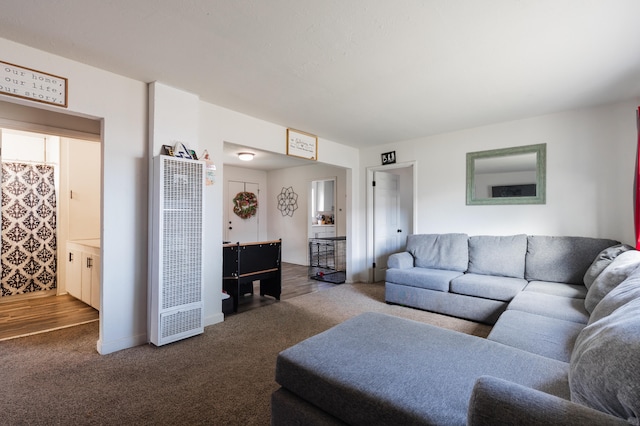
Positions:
{"x": 95, "y": 281}
{"x": 74, "y": 273}
{"x": 86, "y": 278}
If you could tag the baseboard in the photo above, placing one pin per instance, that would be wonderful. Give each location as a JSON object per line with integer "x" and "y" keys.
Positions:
{"x": 214, "y": 319}
{"x": 105, "y": 348}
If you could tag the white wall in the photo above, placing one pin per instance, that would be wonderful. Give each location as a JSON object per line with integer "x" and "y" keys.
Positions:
{"x": 590, "y": 164}
{"x": 294, "y": 229}
{"x": 122, "y": 104}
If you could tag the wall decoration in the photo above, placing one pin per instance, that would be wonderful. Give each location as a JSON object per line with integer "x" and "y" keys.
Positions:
{"x": 33, "y": 85}
{"x": 245, "y": 204}
{"x": 287, "y": 201}
{"x": 301, "y": 144}
{"x": 210, "y": 168}
{"x": 167, "y": 150}
{"x": 388, "y": 157}
{"x": 180, "y": 150}
{"x": 28, "y": 228}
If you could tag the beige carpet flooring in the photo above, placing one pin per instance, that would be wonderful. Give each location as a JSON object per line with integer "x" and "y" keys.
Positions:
{"x": 222, "y": 377}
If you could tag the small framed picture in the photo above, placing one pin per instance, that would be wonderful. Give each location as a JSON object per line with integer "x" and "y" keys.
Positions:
{"x": 167, "y": 150}
{"x": 388, "y": 157}
{"x": 301, "y": 144}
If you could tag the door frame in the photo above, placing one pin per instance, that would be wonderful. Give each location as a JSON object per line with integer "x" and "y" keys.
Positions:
{"x": 370, "y": 211}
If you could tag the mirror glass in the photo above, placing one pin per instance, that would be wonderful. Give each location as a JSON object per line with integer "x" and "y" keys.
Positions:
{"x": 323, "y": 202}
{"x": 507, "y": 176}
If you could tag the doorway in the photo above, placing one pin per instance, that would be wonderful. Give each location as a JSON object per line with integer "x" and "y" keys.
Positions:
{"x": 37, "y": 163}
{"x": 243, "y": 222}
{"x": 390, "y": 213}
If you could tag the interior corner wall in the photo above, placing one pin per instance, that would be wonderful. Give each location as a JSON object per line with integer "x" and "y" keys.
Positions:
{"x": 590, "y": 168}
{"x": 121, "y": 104}
{"x": 294, "y": 229}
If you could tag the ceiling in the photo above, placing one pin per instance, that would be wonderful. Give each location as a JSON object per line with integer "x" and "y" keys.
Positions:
{"x": 357, "y": 72}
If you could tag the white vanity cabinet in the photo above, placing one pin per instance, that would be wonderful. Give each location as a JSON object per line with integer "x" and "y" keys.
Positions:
{"x": 323, "y": 231}
{"x": 83, "y": 271}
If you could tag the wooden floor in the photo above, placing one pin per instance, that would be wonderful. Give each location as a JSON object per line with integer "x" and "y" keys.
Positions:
{"x": 295, "y": 282}
{"x": 38, "y": 315}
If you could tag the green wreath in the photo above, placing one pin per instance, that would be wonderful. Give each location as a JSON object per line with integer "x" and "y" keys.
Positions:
{"x": 245, "y": 204}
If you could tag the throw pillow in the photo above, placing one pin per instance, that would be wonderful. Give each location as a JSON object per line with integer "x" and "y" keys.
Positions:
{"x": 604, "y": 371}
{"x": 603, "y": 260}
{"x": 617, "y": 271}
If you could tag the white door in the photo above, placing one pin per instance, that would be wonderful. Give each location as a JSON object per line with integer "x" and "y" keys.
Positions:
{"x": 387, "y": 236}
{"x": 239, "y": 229}
{"x": 83, "y": 171}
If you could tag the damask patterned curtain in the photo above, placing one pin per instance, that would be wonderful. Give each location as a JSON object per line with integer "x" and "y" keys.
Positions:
{"x": 28, "y": 254}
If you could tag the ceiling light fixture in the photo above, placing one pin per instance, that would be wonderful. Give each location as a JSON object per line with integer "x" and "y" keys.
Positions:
{"x": 246, "y": 156}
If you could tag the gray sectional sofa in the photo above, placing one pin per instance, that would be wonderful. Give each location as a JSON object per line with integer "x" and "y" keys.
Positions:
{"x": 564, "y": 349}
{"x": 477, "y": 277}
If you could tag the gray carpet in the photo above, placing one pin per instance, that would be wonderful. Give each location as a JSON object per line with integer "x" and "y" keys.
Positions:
{"x": 222, "y": 377}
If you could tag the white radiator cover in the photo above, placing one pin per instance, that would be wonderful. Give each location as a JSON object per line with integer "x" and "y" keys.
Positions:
{"x": 175, "y": 294}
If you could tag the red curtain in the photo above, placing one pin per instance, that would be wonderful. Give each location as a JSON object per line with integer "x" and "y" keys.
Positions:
{"x": 636, "y": 189}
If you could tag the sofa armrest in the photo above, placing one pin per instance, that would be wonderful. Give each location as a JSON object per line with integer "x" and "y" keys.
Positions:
{"x": 500, "y": 402}
{"x": 403, "y": 260}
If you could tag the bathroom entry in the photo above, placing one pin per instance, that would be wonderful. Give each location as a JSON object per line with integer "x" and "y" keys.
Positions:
{"x": 36, "y": 173}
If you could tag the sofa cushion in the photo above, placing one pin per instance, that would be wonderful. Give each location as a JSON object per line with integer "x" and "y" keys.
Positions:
{"x": 561, "y": 259}
{"x": 497, "y": 255}
{"x": 617, "y": 271}
{"x": 400, "y": 260}
{"x": 550, "y": 337}
{"x": 604, "y": 258}
{"x": 627, "y": 291}
{"x": 577, "y": 291}
{"x": 605, "y": 365}
{"x": 487, "y": 286}
{"x": 383, "y": 370}
{"x": 499, "y": 402}
{"x": 549, "y": 305}
{"x": 432, "y": 279}
{"x": 440, "y": 251}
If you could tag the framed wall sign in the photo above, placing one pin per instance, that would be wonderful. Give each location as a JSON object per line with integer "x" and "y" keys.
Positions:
{"x": 388, "y": 157}
{"x": 301, "y": 144}
{"x": 33, "y": 85}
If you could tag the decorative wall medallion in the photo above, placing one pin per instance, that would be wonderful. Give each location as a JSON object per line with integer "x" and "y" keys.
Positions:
{"x": 287, "y": 201}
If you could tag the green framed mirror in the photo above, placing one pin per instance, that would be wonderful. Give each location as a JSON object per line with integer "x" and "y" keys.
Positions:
{"x": 507, "y": 176}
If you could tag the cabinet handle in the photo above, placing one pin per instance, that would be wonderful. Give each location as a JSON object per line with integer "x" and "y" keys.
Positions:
{"x": 89, "y": 262}
{"x": 70, "y": 257}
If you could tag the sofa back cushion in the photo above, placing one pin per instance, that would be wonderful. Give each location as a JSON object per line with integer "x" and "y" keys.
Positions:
{"x": 497, "y": 255}
{"x": 604, "y": 258}
{"x": 440, "y": 251}
{"x": 617, "y": 271}
{"x": 561, "y": 259}
{"x": 604, "y": 371}
{"x": 624, "y": 293}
